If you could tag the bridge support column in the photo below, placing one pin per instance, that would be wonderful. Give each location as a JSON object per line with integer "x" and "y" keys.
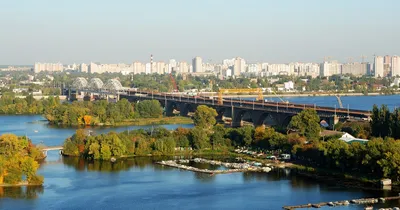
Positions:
{"x": 169, "y": 109}
{"x": 332, "y": 121}
{"x": 183, "y": 109}
{"x": 236, "y": 118}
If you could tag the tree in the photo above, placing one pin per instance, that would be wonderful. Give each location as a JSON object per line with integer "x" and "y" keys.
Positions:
{"x": 181, "y": 136}
{"x": 247, "y": 135}
{"x": 307, "y": 124}
{"x": 94, "y": 150}
{"x": 204, "y": 116}
{"x": 199, "y": 138}
{"x": 105, "y": 152}
{"x": 218, "y": 140}
{"x": 87, "y": 119}
{"x": 149, "y": 109}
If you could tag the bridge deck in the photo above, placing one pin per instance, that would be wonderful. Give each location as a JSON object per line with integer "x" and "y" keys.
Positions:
{"x": 53, "y": 148}
{"x": 291, "y": 108}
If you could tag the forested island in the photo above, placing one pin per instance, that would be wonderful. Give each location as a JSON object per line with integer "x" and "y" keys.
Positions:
{"x": 373, "y": 160}
{"x": 99, "y": 112}
{"x": 102, "y": 112}
{"x": 18, "y": 161}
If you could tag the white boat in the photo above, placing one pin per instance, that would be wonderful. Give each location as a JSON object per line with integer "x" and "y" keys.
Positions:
{"x": 35, "y": 131}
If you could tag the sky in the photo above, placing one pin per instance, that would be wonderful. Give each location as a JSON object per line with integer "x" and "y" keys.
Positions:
{"x": 124, "y": 31}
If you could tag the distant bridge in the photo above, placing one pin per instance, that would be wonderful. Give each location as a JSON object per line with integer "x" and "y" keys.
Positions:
{"x": 256, "y": 112}
{"x": 54, "y": 148}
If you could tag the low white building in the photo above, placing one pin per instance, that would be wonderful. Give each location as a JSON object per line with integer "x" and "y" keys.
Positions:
{"x": 289, "y": 85}
{"x": 350, "y": 139}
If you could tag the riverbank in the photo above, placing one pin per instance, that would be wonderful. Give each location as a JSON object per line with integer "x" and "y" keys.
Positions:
{"x": 21, "y": 184}
{"x": 141, "y": 121}
{"x": 156, "y": 121}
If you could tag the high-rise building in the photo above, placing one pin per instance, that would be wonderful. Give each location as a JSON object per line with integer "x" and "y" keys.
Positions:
{"x": 184, "y": 67}
{"x": 84, "y": 68}
{"x": 172, "y": 67}
{"x": 378, "y": 66}
{"x": 387, "y": 60}
{"x": 239, "y": 66}
{"x": 138, "y": 68}
{"x": 328, "y": 69}
{"x": 395, "y": 66}
{"x": 356, "y": 69}
{"x": 48, "y": 67}
{"x": 228, "y": 62}
{"x": 197, "y": 64}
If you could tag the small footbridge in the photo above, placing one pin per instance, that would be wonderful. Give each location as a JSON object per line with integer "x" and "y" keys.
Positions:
{"x": 53, "y": 148}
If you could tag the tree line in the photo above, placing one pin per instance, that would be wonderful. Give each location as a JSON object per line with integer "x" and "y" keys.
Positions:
{"x": 385, "y": 123}
{"x": 18, "y": 160}
{"x": 102, "y": 112}
{"x": 9, "y": 104}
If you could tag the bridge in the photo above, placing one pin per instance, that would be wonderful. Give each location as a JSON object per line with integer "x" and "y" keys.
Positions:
{"x": 55, "y": 148}
{"x": 239, "y": 111}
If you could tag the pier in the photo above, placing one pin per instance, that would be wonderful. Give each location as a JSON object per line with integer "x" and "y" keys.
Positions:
{"x": 233, "y": 167}
{"x": 362, "y": 201}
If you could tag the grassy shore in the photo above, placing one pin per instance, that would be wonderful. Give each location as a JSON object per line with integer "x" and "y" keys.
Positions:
{"x": 156, "y": 121}
{"x": 24, "y": 183}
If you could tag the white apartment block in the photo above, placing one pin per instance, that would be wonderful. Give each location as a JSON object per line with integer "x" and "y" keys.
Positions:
{"x": 356, "y": 69}
{"x": 395, "y": 66}
{"x": 378, "y": 66}
{"x": 328, "y": 69}
{"x": 54, "y": 67}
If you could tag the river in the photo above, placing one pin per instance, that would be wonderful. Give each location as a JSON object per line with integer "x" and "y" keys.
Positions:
{"x": 138, "y": 183}
{"x": 352, "y": 102}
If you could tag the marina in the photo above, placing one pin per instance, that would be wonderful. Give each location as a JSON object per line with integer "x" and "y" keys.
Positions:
{"x": 368, "y": 202}
{"x": 232, "y": 167}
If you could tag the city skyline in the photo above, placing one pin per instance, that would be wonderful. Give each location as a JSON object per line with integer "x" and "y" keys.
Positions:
{"x": 383, "y": 66}
{"x": 272, "y": 31}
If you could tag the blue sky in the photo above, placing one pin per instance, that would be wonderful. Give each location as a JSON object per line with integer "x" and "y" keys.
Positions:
{"x": 258, "y": 30}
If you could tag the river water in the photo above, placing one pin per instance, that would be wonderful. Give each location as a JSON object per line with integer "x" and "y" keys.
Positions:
{"x": 138, "y": 183}
{"x": 352, "y": 102}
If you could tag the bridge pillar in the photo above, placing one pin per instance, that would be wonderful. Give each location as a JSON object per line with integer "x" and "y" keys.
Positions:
{"x": 184, "y": 109}
{"x": 236, "y": 117}
{"x": 332, "y": 121}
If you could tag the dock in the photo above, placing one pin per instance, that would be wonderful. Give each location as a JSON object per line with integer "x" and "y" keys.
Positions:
{"x": 232, "y": 167}
{"x": 361, "y": 201}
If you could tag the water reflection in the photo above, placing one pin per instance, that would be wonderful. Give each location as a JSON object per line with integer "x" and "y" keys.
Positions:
{"x": 205, "y": 178}
{"x": 29, "y": 192}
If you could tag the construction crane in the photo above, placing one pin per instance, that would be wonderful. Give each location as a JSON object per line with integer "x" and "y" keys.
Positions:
{"x": 327, "y": 58}
{"x": 363, "y": 57}
{"x": 173, "y": 83}
{"x": 260, "y": 96}
{"x": 350, "y": 60}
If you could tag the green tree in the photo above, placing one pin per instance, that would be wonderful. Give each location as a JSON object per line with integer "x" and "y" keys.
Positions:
{"x": 199, "y": 138}
{"x": 204, "y": 116}
{"x": 307, "y": 124}
{"x": 149, "y": 109}
{"x": 105, "y": 152}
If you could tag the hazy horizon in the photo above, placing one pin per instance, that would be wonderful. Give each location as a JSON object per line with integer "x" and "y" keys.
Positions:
{"x": 125, "y": 31}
